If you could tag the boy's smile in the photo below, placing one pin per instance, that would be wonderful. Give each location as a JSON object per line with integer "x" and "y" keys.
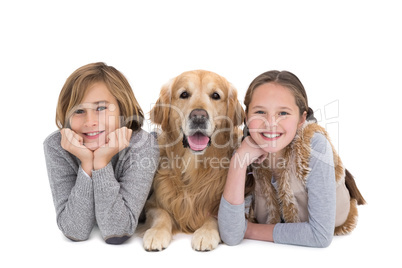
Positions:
{"x": 93, "y": 135}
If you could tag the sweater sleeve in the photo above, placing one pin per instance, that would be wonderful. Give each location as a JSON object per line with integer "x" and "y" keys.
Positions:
{"x": 232, "y": 222}
{"x": 318, "y": 231}
{"x": 120, "y": 194}
{"x": 72, "y": 191}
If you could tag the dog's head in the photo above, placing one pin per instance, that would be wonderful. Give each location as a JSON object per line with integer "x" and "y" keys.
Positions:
{"x": 197, "y": 104}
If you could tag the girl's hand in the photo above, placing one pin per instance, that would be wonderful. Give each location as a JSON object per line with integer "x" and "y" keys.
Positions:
{"x": 250, "y": 152}
{"x": 117, "y": 141}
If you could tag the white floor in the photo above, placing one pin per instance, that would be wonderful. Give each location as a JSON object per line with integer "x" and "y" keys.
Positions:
{"x": 33, "y": 239}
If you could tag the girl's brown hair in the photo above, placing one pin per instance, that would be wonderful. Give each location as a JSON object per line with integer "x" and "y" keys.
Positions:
{"x": 81, "y": 79}
{"x": 285, "y": 79}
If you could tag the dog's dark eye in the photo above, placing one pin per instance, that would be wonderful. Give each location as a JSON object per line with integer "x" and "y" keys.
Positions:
{"x": 215, "y": 96}
{"x": 184, "y": 95}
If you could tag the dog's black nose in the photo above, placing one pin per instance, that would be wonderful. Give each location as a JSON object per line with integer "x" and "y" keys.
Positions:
{"x": 199, "y": 114}
{"x": 198, "y": 119}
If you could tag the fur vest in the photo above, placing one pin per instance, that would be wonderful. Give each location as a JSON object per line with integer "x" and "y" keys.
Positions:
{"x": 288, "y": 201}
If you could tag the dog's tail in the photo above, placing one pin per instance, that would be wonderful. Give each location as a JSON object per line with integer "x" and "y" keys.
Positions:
{"x": 352, "y": 187}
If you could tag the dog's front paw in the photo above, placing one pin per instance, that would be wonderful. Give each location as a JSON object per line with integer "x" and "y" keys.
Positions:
{"x": 205, "y": 239}
{"x": 156, "y": 239}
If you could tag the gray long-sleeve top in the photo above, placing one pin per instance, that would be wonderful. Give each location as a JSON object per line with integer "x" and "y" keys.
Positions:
{"x": 321, "y": 187}
{"x": 113, "y": 198}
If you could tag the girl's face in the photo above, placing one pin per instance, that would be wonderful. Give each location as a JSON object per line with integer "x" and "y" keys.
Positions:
{"x": 96, "y": 117}
{"x": 273, "y": 117}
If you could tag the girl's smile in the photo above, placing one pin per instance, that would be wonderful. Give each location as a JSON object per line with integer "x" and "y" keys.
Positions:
{"x": 269, "y": 136}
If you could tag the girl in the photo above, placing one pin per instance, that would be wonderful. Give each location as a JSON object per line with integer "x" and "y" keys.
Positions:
{"x": 299, "y": 194}
{"x": 101, "y": 163}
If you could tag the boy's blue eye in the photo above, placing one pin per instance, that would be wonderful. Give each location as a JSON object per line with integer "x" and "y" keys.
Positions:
{"x": 283, "y": 113}
{"x": 79, "y": 111}
{"x": 101, "y": 108}
{"x": 260, "y": 112}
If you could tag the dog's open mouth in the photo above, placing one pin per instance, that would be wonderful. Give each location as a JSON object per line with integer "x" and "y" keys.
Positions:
{"x": 197, "y": 142}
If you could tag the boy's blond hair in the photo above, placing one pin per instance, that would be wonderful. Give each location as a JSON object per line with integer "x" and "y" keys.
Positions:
{"x": 80, "y": 80}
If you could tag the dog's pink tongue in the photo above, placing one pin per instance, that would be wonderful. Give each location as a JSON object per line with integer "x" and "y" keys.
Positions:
{"x": 198, "y": 142}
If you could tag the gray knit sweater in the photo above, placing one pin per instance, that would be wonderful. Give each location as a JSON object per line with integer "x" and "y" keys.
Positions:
{"x": 113, "y": 198}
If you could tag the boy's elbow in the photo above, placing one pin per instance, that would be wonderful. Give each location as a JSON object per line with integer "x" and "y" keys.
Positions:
{"x": 74, "y": 235}
{"x": 117, "y": 240}
{"x": 76, "y": 238}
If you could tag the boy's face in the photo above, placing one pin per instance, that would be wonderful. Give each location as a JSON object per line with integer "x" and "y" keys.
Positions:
{"x": 96, "y": 117}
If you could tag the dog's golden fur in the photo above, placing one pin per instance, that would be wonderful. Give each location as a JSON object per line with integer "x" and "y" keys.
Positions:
{"x": 188, "y": 185}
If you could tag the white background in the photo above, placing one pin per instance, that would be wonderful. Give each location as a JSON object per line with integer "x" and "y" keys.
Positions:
{"x": 346, "y": 53}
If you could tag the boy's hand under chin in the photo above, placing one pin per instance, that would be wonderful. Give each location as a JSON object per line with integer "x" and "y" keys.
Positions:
{"x": 116, "y": 141}
{"x": 73, "y": 143}
{"x": 95, "y": 158}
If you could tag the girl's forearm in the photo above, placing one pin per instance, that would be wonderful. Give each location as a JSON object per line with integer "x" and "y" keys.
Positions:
{"x": 234, "y": 188}
{"x": 263, "y": 232}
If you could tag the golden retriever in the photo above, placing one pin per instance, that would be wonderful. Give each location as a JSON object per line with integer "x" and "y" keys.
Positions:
{"x": 199, "y": 115}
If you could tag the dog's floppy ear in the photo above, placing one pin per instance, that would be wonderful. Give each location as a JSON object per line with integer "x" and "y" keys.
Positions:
{"x": 235, "y": 110}
{"x": 159, "y": 114}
